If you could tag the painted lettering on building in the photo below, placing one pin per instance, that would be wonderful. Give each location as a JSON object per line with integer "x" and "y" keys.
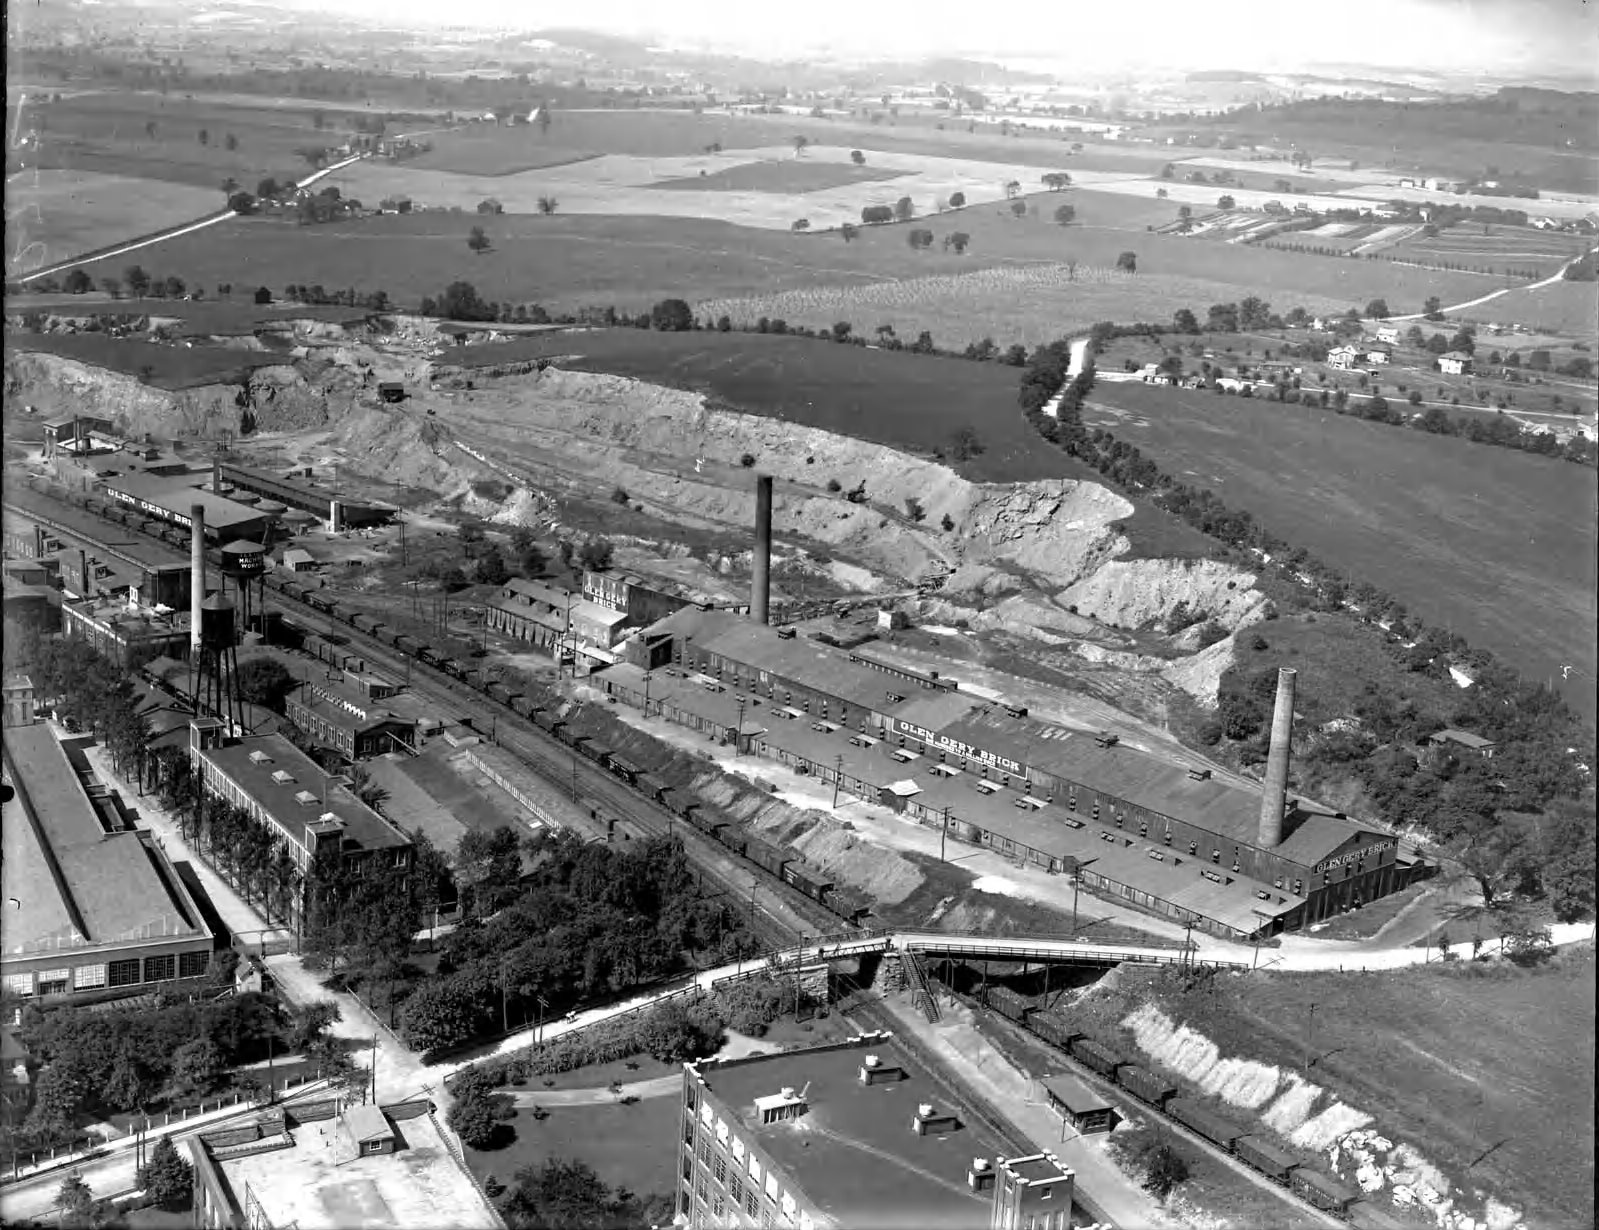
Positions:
{"x": 950, "y": 745}
{"x": 1356, "y": 856}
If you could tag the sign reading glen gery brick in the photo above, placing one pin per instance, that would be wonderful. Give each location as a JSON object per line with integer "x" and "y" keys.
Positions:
{"x": 1355, "y": 856}
{"x": 950, "y": 745}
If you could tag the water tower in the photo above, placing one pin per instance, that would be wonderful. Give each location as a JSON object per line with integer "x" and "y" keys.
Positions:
{"x": 244, "y": 563}
{"x": 219, "y": 662}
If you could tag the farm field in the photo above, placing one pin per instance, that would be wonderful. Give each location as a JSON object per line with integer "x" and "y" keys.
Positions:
{"x": 1498, "y": 248}
{"x": 907, "y": 401}
{"x": 207, "y": 317}
{"x": 109, "y": 133}
{"x": 787, "y": 175}
{"x": 53, "y": 215}
{"x": 169, "y": 367}
{"x": 1496, "y": 544}
{"x": 1494, "y": 1069}
{"x": 1567, "y": 308}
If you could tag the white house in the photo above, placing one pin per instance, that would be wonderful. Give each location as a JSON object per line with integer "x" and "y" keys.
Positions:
{"x": 1376, "y": 356}
{"x": 1388, "y": 334}
{"x": 1455, "y": 363}
{"x": 1342, "y": 357}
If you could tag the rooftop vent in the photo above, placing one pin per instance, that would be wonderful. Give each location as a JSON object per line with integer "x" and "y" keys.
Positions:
{"x": 785, "y": 634}
{"x": 282, "y": 776}
{"x": 928, "y": 1120}
{"x": 306, "y": 799}
{"x": 924, "y": 1111}
{"x": 980, "y": 1178}
{"x": 873, "y": 1071}
{"x": 1199, "y": 775}
{"x": 1107, "y": 739}
{"x": 778, "y": 1107}
{"x": 873, "y": 1061}
{"x": 260, "y": 757}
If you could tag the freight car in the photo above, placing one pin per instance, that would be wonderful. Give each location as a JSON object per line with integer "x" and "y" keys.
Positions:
{"x": 1267, "y": 1158}
{"x": 766, "y": 856}
{"x": 625, "y": 769}
{"x": 709, "y": 823}
{"x": 651, "y": 789}
{"x": 811, "y": 881}
{"x": 733, "y": 837}
{"x": 364, "y": 623}
{"x": 592, "y": 748}
{"x": 1100, "y": 1058}
{"x": 1145, "y": 1085}
{"x": 523, "y": 706}
{"x": 1008, "y": 1004}
{"x": 426, "y": 654}
{"x": 1212, "y": 1127}
{"x": 499, "y": 692}
{"x": 408, "y": 645}
{"x": 548, "y": 722}
{"x": 1323, "y": 1192}
{"x": 318, "y": 601}
{"x": 1054, "y": 1030}
{"x": 849, "y": 903}
{"x": 1365, "y": 1214}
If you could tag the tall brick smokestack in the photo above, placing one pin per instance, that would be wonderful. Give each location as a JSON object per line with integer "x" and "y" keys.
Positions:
{"x": 196, "y": 574}
{"x": 1274, "y": 791}
{"x": 216, "y": 474}
{"x": 760, "y": 566}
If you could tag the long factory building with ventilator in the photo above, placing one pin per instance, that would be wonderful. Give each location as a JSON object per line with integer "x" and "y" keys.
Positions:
{"x": 1228, "y": 856}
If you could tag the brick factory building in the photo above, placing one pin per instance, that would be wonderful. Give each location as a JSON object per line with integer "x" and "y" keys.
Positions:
{"x": 1162, "y": 835}
{"x": 93, "y": 909}
{"x": 850, "y": 1135}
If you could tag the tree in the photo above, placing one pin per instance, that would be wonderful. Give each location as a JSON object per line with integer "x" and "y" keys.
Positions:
{"x": 488, "y": 205}
{"x": 167, "y": 1179}
{"x": 1377, "y": 309}
{"x": 175, "y": 287}
{"x": 1164, "y": 1168}
{"x": 858, "y": 158}
{"x": 112, "y": 287}
{"x": 1226, "y": 202}
{"x": 1065, "y": 215}
{"x": 920, "y": 238}
{"x": 74, "y": 1199}
{"x": 196, "y": 1065}
{"x": 548, "y": 205}
{"x": 477, "y": 240}
{"x": 958, "y": 240}
{"x": 78, "y": 282}
{"x": 241, "y": 203}
{"x": 474, "y": 1120}
{"x": 1127, "y": 262}
{"x": 1018, "y": 209}
{"x": 264, "y": 681}
{"x": 1185, "y": 321}
{"x": 1432, "y": 308}
{"x": 266, "y": 188}
{"x": 596, "y": 554}
{"x": 138, "y": 281}
{"x": 1056, "y": 181}
{"x": 957, "y": 200}
{"x": 263, "y": 295}
{"x": 799, "y": 145}
{"x": 149, "y": 129}
{"x": 205, "y": 137}
{"x": 849, "y": 231}
{"x": 491, "y": 569}
{"x": 671, "y": 316}
{"x": 1012, "y": 187}
{"x": 904, "y": 209}
{"x": 461, "y": 301}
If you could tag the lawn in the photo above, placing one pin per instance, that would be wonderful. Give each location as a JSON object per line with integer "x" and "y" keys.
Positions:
{"x": 1496, "y": 544}
{"x": 1567, "y": 308}
{"x": 1463, "y": 1062}
{"x": 899, "y": 399}
{"x": 165, "y": 366}
{"x": 789, "y": 175}
{"x": 54, "y": 215}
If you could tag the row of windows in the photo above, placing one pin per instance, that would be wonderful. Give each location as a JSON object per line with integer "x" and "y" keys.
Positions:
{"x": 129, "y": 971}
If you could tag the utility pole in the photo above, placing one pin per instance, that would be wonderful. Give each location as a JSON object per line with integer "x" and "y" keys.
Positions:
{"x": 1310, "y": 1026}
{"x": 754, "y": 880}
{"x": 574, "y": 775}
{"x": 374, "y": 1069}
{"x": 838, "y": 777}
{"x": 738, "y": 739}
{"x": 943, "y": 834}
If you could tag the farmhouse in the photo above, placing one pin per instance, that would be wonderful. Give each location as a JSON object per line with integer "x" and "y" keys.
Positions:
{"x": 1343, "y": 358}
{"x": 1388, "y": 335}
{"x": 1455, "y": 363}
{"x": 1377, "y": 356}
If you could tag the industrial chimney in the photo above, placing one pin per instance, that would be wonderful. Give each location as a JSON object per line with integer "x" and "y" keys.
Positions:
{"x": 1274, "y": 791}
{"x": 760, "y": 566}
{"x": 216, "y": 473}
{"x": 196, "y": 575}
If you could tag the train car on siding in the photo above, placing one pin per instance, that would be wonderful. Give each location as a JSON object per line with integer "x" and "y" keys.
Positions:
{"x": 364, "y": 623}
{"x": 1276, "y": 1164}
{"x": 766, "y": 856}
{"x": 1145, "y": 1085}
{"x": 1366, "y": 1214}
{"x": 1008, "y": 1004}
{"x": 811, "y": 881}
{"x": 625, "y": 769}
{"x": 1213, "y": 1128}
{"x": 1321, "y": 1190}
{"x": 1053, "y": 1030}
{"x": 1100, "y": 1058}
{"x": 730, "y": 835}
{"x": 499, "y": 692}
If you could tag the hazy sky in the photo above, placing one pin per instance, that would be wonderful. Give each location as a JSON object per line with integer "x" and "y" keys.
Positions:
{"x": 1442, "y": 35}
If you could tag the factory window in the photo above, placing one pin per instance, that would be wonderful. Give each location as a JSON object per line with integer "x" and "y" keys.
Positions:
{"x": 688, "y": 1166}
{"x": 735, "y": 1188}
{"x": 705, "y": 1151}
{"x": 1193, "y": 847}
{"x": 718, "y": 1205}
{"x": 125, "y": 973}
{"x": 720, "y": 1169}
{"x": 1299, "y": 886}
{"x": 752, "y": 1204}
{"x": 688, "y": 1132}
{"x": 1168, "y": 837}
{"x": 702, "y": 1189}
{"x": 1071, "y": 801}
{"x": 1215, "y": 856}
{"x": 193, "y": 964}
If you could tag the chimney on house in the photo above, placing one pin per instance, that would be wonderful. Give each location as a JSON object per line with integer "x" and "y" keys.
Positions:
{"x": 1274, "y": 790}
{"x": 760, "y": 565}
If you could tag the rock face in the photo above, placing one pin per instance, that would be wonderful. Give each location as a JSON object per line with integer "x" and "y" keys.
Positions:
{"x": 272, "y": 398}
{"x": 1134, "y": 593}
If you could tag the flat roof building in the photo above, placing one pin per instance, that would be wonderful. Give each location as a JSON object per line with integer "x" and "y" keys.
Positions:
{"x": 126, "y": 632}
{"x": 347, "y": 719}
{"x": 171, "y": 499}
{"x": 853, "y": 1135}
{"x": 337, "y": 510}
{"x": 93, "y": 557}
{"x": 92, "y": 908}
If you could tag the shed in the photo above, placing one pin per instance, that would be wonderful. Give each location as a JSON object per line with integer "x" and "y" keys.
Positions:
{"x": 1079, "y": 1105}
{"x": 298, "y": 559}
{"x": 365, "y": 1129}
{"x": 391, "y": 390}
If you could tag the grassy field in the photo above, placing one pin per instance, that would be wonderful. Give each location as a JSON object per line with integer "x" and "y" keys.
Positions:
{"x": 898, "y": 399}
{"x": 1568, "y": 308}
{"x": 1492, "y": 1065}
{"x": 53, "y": 215}
{"x": 1498, "y": 248}
{"x": 233, "y": 316}
{"x": 165, "y": 366}
{"x": 1496, "y": 544}
{"x": 109, "y": 133}
{"x": 790, "y": 175}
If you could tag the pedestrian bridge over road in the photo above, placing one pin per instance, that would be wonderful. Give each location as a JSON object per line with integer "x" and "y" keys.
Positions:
{"x": 939, "y": 944}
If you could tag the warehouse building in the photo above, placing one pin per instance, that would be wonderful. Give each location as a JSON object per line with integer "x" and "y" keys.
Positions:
{"x": 335, "y": 509}
{"x": 347, "y": 718}
{"x": 852, "y": 1135}
{"x": 93, "y": 907}
{"x": 561, "y": 623}
{"x": 171, "y": 499}
{"x": 126, "y": 632}
{"x": 1229, "y": 858}
{"x": 91, "y": 557}
{"x": 319, "y": 820}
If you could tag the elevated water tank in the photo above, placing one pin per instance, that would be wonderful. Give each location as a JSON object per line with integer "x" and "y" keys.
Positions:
{"x": 243, "y": 559}
{"x": 217, "y": 623}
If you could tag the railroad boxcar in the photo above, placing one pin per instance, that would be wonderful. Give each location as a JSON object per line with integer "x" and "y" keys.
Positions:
{"x": 522, "y": 705}
{"x": 1053, "y": 1030}
{"x": 766, "y": 856}
{"x": 469, "y": 675}
{"x": 364, "y": 623}
{"x": 683, "y": 806}
{"x": 650, "y": 788}
{"x": 588, "y": 746}
{"x": 1144, "y": 1084}
{"x": 427, "y": 654}
{"x": 1100, "y": 1058}
{"x": 1321, "y": 1190}
{"x": 730, "y": 835}
{"x": 321, "y": 602}
{"x": 706, "y": 821}
{"x": 499, "y": 692}
{"x": 625, "y": 769}
{"x": 389, "y": 636}
{"x": 849, "y": 903}
{"x": 1008, "y": 1004}
{"x": 408, "y": 645}
{"x": 546, "y": 720}
{"x": 811, "y": 881}
{"x": 1212, "y": 1127}
{"x": 1276, "y": 1164}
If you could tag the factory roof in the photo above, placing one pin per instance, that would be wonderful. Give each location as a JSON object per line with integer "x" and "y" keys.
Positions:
{"x": 290, "y": 787}
{"x": 282, "y": 485}
{"x": 343, "y": 706}
{"x": 539, "y": 591}
{"x": 85, "y": 529}
{"x": 77, "y": 883}
{"x": 852, "y": 1153}
{"x": 177, "y": 495}
{"x": 128, "y": 621}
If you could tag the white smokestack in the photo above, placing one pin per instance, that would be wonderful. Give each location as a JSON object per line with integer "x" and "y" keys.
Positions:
{"x": 1274, "y": 791}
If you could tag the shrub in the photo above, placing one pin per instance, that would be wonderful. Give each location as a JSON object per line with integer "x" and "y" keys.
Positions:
{"x": 619, "y": 495}
{"x": 747, "y": 460}
{"x": 834, "y": 485}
